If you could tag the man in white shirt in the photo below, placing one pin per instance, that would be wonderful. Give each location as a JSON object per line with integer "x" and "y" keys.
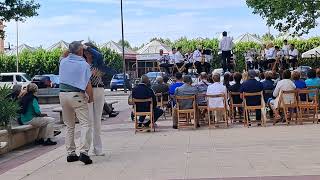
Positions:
{"x": 214, "y": 89}
{"x": 176, "y": 59}
{"x": 180, "y": 60}
{"x": 226, "y": 46}
{"x": 270, "y": 56}
{"x": 164, "y": 62}
{"x": 293, "y": 56}
{"x": 285, "y": 48}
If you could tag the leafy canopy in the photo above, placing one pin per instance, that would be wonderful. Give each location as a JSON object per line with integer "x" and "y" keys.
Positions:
{"x": 18, "y": 10}
{"x": 295, "y": 16}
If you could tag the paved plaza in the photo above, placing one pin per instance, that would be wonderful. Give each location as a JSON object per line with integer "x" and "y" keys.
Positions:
{"x": 251, "y": 153}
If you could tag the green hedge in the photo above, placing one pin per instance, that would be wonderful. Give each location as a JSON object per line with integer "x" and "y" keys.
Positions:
{"x": 41, "y": 61}
{"x": 45, "y": 62}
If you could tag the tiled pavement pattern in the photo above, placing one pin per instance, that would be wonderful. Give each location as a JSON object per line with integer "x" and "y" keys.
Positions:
{"x": 205, "y": 154}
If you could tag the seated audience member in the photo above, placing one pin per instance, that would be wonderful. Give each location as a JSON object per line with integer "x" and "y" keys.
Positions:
{"x": 286, "y": 84}
{"x": 253, "y": 86}
{"x": 312, "y": 81}
{"x": 296, "y": 77}
{"x": 236, "y": 88}
{"x": 165, "y": 81}
{"x": 215, "y": 89}
{"x": 202, "y": 87}
{"x": 185, "y": 90}
{"x": 143, "y": 91}
{"x": 176, "y": 84}
{"x": 318, "y": 72}
{"x": 268, "y": 84}
{"x": 31, "y": 114}
{"x": 17, "y": 92}
{"x": 160, "y": 87}
{"x": 226, "y": 80}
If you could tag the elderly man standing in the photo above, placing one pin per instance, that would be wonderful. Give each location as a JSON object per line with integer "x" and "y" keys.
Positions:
{"x": 75, "y": 94}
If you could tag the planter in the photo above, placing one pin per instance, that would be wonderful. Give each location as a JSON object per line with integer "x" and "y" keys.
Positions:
{"x": 4, "y": 137}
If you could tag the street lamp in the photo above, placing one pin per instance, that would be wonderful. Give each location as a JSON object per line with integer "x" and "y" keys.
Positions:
{"x": 123, "y": 58}
{"x": 17, "y": 48}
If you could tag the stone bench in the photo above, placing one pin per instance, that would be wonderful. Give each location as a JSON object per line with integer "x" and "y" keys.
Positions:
{"x": 48, "y": 96}
{"x": 59, "y": 110}
{"x": 20, "y": 136}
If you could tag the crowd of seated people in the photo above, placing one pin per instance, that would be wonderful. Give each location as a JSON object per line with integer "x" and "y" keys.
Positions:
{"x": 269, "y": 83}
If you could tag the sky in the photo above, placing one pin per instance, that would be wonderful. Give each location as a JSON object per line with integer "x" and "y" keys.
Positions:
{"x": 99, "y": 20}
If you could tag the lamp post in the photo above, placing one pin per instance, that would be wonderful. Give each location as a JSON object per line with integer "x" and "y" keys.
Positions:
{"x": 17, "y": 48}
{"x": 123, "y": 58}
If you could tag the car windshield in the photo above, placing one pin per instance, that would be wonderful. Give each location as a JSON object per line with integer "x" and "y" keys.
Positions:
{"x": 153, "y": 74}
{"x": 118, "y": 76}
{"x": 27, "y": 77}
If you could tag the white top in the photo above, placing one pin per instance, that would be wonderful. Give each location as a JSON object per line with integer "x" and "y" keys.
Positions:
{"x": 164, "y": 59}
{"x": 285, "y": 50}
{"x": 226, "y": 44}
{"x": 197, "y": 55}
{"x": 284, "y": 85}
{"x": 271, "y": 53}
{"x": 280, "y": 54}
{"x": 178, "y": 57}
{"x": 215, "y": 89}
{"x": 293, "y": 54}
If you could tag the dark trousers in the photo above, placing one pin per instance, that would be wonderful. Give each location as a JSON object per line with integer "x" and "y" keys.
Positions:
{"x": 205, "y": 67}
{"x": 258, "y": 115}
{"x": 166, "y": 66}
{"x": 226, "y": 57}
{"x": 293, "y": 63}
{"x": 179, "y": 65}
{"x": 157, "y": 113}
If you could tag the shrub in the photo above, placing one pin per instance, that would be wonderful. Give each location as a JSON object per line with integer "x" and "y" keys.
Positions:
{"x": 8, "y": 107}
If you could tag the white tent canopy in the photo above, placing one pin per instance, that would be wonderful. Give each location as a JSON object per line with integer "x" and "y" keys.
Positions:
{"x": 117, "y": 48}
{"x": 154, "y": 47}
{"x": 59, "y": 45}
{"x": 313, "y": 53}
{"x": 21, "y": 48}
{"x": 248, "y": 38}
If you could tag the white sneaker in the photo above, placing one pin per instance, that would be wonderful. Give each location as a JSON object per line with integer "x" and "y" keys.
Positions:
{"x": 99, "y": 154}
{"x": 3, "y": 144}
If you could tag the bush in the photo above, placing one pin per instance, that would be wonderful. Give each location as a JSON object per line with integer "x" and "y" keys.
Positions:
{"x": 8, "y": 107}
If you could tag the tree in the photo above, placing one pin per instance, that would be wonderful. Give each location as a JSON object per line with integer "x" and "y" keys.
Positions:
{"x": 166, "y": 41}
{"x": 296, "y": 16}
{"x": 267, "y": 37}
{"x": 18, "y": 10}
{"x": 126, "y": 43}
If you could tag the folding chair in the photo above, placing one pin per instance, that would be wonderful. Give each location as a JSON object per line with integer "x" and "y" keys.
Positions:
{"x": 234, "y": 107}
{"x": 164, "y": 104}
{"x": 190, "y": 119}
{"x": 288, "y": 102}
{"x": 149, "y": 113}
{"x": 309, "y": 105}
{"x": 202, "y": 107}
{"x": 217, "y": 109}
{"x": 248, "y": 109}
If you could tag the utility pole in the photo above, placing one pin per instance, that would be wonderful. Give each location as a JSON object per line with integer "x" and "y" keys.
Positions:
{"x": 123, "y": 58}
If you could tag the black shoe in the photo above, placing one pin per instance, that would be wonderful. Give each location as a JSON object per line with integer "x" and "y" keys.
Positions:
{"x": 39, "y": 141}
{"x": 113, "y": 114}
{"x": 198, "y": 125}
{"x": 259, "y": 124}
{"x": 56, "y": 133}
{"x": 175, "y": 127}
{"x": 147, "y": 124}
{"x": 48, "y": 142}
{"x": 140, "y": 125}
{"x": 85, "y": 159}
{"x": 72, "y": 158}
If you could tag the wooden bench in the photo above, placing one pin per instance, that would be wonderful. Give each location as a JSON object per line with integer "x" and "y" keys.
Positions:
{"x": 59, "y": 110}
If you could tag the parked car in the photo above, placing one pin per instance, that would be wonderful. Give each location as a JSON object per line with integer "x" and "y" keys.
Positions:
{"x": 42, "y": 81}
{"x": 55, "y": 80}
{"x": 10, "y": 79}
{"x": 153, "y": 76}
{"x": 117, "y": 82}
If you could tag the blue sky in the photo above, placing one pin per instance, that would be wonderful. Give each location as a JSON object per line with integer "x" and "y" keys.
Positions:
{"x": 99, "y": 20}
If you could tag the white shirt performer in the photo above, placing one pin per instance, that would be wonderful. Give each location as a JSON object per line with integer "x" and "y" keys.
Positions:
{"x": 293, "y": 56}
{"x": 226, "y": 45}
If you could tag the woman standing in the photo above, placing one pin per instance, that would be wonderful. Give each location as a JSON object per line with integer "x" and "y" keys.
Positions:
{"x": 95, "y": 60}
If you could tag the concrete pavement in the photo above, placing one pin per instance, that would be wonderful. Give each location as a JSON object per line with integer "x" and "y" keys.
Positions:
{"x": 186, "y": 154}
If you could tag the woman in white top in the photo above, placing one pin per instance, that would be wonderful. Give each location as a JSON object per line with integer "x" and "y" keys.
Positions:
{"x": 270, "y": 55}
{"x": 286, "y": 84}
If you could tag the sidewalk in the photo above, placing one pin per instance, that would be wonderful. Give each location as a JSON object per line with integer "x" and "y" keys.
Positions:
{"x": 186, "y": 154}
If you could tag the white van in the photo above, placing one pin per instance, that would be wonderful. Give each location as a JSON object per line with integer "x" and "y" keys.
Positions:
{"x": 11, "y": 79}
